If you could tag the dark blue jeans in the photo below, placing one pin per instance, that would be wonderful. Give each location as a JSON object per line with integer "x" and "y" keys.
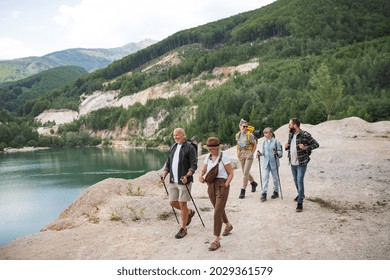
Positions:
{"x": 299, "y": 174}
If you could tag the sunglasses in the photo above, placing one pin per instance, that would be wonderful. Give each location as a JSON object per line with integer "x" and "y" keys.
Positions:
{"x": 244, "y": 126}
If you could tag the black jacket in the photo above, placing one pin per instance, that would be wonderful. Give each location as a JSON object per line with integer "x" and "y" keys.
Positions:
{"x": 187, "y": 161}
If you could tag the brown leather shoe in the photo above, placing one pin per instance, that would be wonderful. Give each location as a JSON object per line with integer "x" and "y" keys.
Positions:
{"x": 227, "y": 230}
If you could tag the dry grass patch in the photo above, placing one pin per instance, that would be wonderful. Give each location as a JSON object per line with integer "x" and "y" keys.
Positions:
{"x": 360, "y": 207}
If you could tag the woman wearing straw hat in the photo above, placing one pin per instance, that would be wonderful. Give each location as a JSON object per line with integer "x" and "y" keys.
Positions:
{"x": 218, "y": 190}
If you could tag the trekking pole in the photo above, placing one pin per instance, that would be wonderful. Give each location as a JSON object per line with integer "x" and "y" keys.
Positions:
{"x": 261, "y": 177}
{"x": 173, "y": 209}
{"x": 196, "y": 208}
{"x": 277, "y": 172}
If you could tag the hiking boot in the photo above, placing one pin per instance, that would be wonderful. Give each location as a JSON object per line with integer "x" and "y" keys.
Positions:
{"x": 190, "y": 215}
{"x": 254, "y": 186}
{"x": 242, "y": 194}
{"x": 263, "y": 197}
{"x": 299, "y": 207}
{"x": 275, "y": 195}
{"x": 296, "y": 199}
{"x": 182, "y": 232}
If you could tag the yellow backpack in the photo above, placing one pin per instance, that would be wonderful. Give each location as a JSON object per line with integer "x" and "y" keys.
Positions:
{"x": 248, "y": 139}
{"x": 251, "y": 129}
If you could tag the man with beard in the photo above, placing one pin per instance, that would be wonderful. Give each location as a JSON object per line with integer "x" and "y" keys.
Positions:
{"x": 299, "y": 147}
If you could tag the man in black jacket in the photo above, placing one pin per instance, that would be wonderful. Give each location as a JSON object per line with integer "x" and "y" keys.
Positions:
{"x": 181, "y": 165}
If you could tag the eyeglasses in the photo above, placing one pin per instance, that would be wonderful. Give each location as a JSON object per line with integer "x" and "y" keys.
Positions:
{"x": 244, "y": 126}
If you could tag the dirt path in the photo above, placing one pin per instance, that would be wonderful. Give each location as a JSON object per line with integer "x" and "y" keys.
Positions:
{"x": 346, "y": 212}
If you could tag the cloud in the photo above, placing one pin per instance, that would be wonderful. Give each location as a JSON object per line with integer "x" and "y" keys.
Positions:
{"x": 113, "y": 23}
{"x": 40, "y": 27}
{"x": 15, "y": 14}
{"x": 11, "y": 48}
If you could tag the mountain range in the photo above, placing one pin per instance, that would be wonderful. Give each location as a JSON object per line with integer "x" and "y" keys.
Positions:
{"x": 90, "y": 59}
{"x": 316, "y": 60}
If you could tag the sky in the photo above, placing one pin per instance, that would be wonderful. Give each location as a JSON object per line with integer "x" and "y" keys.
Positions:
{"x": 38, "y": 27}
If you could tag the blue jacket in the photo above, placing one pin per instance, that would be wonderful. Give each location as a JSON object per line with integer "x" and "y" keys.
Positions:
{"x": 269, "y": 157}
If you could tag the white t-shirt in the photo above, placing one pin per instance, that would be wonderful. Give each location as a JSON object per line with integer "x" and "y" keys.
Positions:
{"x": 175, "y": 164}
{"x": 221, "y": 168}
{"x": 293, "y": 151}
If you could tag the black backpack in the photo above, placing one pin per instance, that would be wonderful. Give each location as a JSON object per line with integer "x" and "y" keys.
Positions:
{"x": 195, "y": 145}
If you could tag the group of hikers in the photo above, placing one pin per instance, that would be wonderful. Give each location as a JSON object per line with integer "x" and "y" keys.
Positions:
{"x": 217, "y": 171}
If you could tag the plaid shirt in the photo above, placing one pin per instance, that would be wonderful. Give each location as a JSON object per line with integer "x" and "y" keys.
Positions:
{"x": 303, "y": 137}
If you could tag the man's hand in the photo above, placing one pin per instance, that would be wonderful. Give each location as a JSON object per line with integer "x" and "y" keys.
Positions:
{"x": 184, "y": 179}
{"x": 163, "y": 176}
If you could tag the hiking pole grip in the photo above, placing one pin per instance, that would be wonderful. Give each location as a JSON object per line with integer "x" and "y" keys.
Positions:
{"x": 196, "y": 208}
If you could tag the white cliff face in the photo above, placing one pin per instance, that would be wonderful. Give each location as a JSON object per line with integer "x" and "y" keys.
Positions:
{"x": 100, "y": 99}
{"x": 60, "y": 116}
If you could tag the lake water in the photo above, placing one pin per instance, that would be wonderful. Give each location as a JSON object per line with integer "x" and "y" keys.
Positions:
{"x": 35, "y": 187}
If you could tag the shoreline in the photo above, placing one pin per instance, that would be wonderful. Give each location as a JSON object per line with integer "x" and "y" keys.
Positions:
{"x": 24, "y": 149}
{"x": 346, "y": 211}
{"x": 119, "y": 145}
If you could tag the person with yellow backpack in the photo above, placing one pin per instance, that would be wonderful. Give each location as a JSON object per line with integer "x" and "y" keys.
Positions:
{"x": 246, "y": 146}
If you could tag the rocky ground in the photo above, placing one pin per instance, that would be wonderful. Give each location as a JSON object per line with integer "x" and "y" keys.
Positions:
{"x": 346, "y": 212}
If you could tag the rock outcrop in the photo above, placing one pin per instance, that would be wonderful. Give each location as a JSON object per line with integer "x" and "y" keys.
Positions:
{"x": 100, "y": 99}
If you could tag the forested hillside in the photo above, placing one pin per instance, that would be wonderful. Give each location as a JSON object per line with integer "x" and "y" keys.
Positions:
{"x": 19, "y": 96}
{"x": 318, "y": 60}
{"x": 89, "y": 59}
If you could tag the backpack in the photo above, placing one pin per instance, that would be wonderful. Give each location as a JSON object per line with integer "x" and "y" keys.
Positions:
{"x": 248, "y": 138}
{"x": 195, "y": 145}
{"x": 255, "y": 133}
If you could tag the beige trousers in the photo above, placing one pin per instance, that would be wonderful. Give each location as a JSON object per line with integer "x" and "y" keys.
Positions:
{"x": 246, "y": 159}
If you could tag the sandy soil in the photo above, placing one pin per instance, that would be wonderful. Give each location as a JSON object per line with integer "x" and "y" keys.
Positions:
{"x": 346, "y": 212}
